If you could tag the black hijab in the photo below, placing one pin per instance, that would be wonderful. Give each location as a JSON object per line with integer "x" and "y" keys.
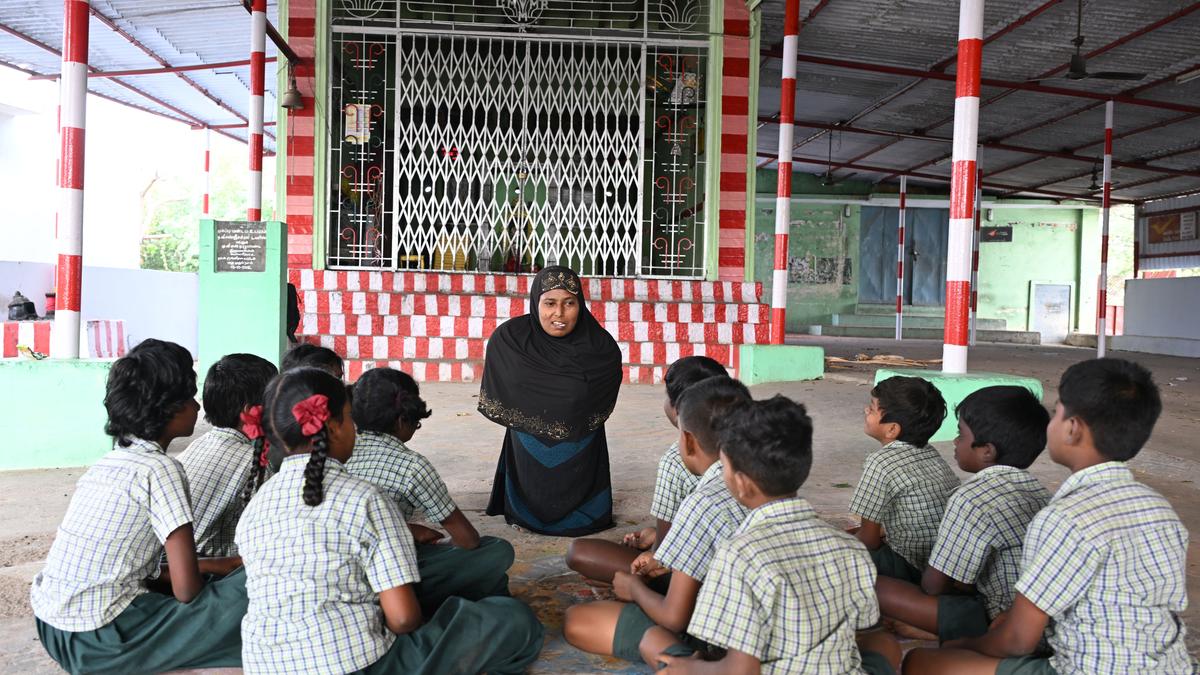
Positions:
{"x": 556, "y": 388}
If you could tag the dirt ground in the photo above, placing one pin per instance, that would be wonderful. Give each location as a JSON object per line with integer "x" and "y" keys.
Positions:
{"x": 464, "y": 447}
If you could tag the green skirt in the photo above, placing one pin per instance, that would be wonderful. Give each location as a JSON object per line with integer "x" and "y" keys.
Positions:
{"x": 474, "y": 574}
{"x": 156, "y": 633}
{"x": 498, "y": 636}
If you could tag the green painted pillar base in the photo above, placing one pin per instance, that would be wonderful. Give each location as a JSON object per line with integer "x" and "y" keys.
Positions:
{"x": 955, "y": 388}
{"x": 779, "y": 363}
{"x": 36, "y": 399}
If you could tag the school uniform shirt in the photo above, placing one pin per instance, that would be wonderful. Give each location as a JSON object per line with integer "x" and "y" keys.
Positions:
{"x": 314, "y": 573}
{"x": 111, "y": 539}
{"x": 789, "y": 590}
{"x": 707, "y": 517}
{"x": 905, "y": 488}
{"x": 406, "y": 476}
{"x": 1106, "y": 560}
{"x": 672, "y": 483}
{"x": 980, "y": 538}
{"x": 218, "y": 466}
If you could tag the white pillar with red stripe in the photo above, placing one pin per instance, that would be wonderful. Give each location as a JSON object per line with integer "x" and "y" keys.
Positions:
{"x": 962, "y": 186}
{"x": 207, "y": 169}
{"x": 1102, "y": 287}
{"x": 900, "y": 257}
{"x": 258, "y": 76}
{"x": 72, "y": 120}
{"x": 783, "y": 195}
{"x": 975, "y": 253}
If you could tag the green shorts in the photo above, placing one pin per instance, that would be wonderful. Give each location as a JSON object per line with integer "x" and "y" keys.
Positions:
{"x": 961, "y": 616}
{"x": 1026, "y": 665}
{"x": 892, "y": 564}
{"x": 872, "y": 662}
{"x": 632, "y": 625}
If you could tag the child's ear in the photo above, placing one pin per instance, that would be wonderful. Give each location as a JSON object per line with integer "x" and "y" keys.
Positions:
{"x": 690, "y": 446}
{"x": 988, "y": 453}
{"x": 892, "y": 429}
{"x": 744, "y": 488}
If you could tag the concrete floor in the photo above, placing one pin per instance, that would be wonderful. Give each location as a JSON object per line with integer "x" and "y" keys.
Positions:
{"x": 464, "y": 446}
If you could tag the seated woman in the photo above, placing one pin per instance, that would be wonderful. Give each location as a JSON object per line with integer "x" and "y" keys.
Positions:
{"x": 551, "y": 378}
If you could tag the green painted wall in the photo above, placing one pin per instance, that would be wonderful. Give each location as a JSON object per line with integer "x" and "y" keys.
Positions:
{"x": 1044, "y": 249}
{"x": 42, "y": 395}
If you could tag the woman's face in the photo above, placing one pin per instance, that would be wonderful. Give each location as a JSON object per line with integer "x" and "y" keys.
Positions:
{"x": 558, "y": 311}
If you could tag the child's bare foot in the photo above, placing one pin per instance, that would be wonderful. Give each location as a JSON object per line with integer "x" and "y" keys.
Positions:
{"x": 908, "y": 632}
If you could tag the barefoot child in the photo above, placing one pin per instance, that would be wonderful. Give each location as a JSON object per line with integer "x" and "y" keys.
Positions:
{"x": 224, "y": 467}
{"x": 904, "y": 484}
{"x": 599, "y": 559}
{"x": 388, "y": 410}
{"x": 787, "y": 592}
{"x": 977, "y": 557}
{"x": 1106, "y": 559}
{"x": 330, "y": 565}
{"x": 94, "y": 609}
{"x": 705, "y": 518}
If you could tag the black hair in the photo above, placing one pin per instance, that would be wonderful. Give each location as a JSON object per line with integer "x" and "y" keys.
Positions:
{"x": 1010, "y": 418}
{"x": 232, "y": 384}
{"x": 700, "y": 404}
{"x": 146, "y": 388}
{"x": 1117, "y": 399}
{"x": 770, "y": 442}
{"x": 283, "y": 393}
{"x": 315, "y": 356}
{"x": 687, "y": 371}
{"x": 915, "y": 404}
{"x": 383, "y": 396}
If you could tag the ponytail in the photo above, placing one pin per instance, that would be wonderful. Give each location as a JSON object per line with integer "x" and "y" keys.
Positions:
{"x": 314, "y": 471}
{"x": 299, "y": 403}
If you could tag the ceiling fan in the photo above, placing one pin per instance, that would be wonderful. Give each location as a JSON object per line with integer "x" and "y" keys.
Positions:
{"x": 827, "y": 180}
{"x": 1077, "y": 67}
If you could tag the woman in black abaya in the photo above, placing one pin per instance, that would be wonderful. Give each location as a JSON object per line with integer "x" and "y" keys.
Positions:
{"x": 551, "y": 378}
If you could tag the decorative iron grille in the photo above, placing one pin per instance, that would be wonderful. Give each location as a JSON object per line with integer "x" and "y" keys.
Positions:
{"x": 361, "y": 156}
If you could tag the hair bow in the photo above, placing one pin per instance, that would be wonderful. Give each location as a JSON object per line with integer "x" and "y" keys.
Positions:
{"x": 252, "y": 423}
{"x": 311, "y": 413}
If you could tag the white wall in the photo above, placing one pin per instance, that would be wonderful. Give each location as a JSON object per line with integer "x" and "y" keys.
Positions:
{"x": 1162, "y": 316}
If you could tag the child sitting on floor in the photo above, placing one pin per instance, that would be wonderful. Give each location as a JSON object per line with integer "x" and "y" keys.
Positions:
{"x": 706, "y": 517}
{"x": 600, "y": 559}
{"x": 314, "y": 356}
{"x": 977, "y": 557}
{"x": 224, "y": 467}
{"x": 787, "y": 592}
{"x": 905, "y": 484}
{"x": 330, "y": 565}
{"x": 1106, "y": 559}
{"x": 388, "y": 410}
{"x": 94, "y": 609}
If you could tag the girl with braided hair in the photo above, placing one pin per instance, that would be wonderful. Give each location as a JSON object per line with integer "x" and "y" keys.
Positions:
{"x": 331, "y": 566}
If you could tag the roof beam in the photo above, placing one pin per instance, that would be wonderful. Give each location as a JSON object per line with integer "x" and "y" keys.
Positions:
{"x": 1015, "y": 24}
{"x": 1126, "y": 186}
{"x": 280, "y": 43}
{"x": 157, "y": 71}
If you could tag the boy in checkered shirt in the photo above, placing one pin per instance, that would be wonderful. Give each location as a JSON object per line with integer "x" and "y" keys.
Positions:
{"x": 600, "y": 559}
{"x": 904, "y": 484}
{"x": 787, "y": 592}
{"x": 706, "y": 517}
{"x": 1105, "y": 560}
{"x": 223, "y": 466}
{"x": 977, "y": 556}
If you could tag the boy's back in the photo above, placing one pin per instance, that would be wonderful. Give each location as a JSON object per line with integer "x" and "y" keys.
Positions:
{"x": 218, "y": 468}
{"x": 705, "y": 518}
{"x": 790, "y": 590}
{"x": 1106, "y": 561}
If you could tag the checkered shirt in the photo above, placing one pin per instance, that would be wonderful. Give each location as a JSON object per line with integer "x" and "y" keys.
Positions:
{"x": 314, "y": 573}
{"x": 789, "y": 590}
{"x": 979, "y": 541}
{"x": 406, "y": 476}
{"x": 218, "y": 468}
{"x": 905, "y": 488}
{"x": 111, "y": 539}
{"x": 1106, "y": 559}
{"x": 707, "y": 517}
{"x": 672, "y": 483}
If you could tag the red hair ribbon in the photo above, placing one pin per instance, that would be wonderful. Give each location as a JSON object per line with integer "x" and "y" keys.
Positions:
{"x": 311, "y": 413}
{"x": 252, "y": 422}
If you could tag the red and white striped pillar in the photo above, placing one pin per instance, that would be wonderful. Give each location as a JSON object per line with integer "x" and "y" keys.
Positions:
{"x": 207, "y": 169}
{"x": 783, "y": 195}
{"x": 1102, "y": 289}
{"x": 72, "y": 121}
{"x": 258, "y": 76}
{"x": 900, "y": 258}
{"x": 975, "y": 254}
{"x": 962, "y": 186}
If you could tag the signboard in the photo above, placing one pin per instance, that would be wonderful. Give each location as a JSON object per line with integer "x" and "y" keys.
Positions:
{"x": 1171, "y": 227}
{"x": 995, "y": 234}
{"x": 241, "y": 246}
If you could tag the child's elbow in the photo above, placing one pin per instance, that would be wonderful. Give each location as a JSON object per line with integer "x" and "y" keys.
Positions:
{"x": 404, "y": 624}
{"x": 677, "y": 622}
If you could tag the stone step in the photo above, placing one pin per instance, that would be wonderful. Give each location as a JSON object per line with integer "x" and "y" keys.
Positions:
{"x": 909, "y": 310}
{"x": 596, "y": 288}
{"x": 917, "y": 321}
{"x": 454, "y": 370}
{"x": 384, "y": 348}
{"x": 506, "y": 307}
{"x": 1006, "y": 336}
{"x": 366, "y": 325}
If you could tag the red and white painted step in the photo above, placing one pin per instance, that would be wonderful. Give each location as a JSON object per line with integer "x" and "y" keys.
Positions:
{"x": 436, "y": 325}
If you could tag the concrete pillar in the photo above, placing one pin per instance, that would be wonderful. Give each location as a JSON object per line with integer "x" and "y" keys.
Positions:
{"x": 258, "y": 67}
{"x": 783, "y": 194}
